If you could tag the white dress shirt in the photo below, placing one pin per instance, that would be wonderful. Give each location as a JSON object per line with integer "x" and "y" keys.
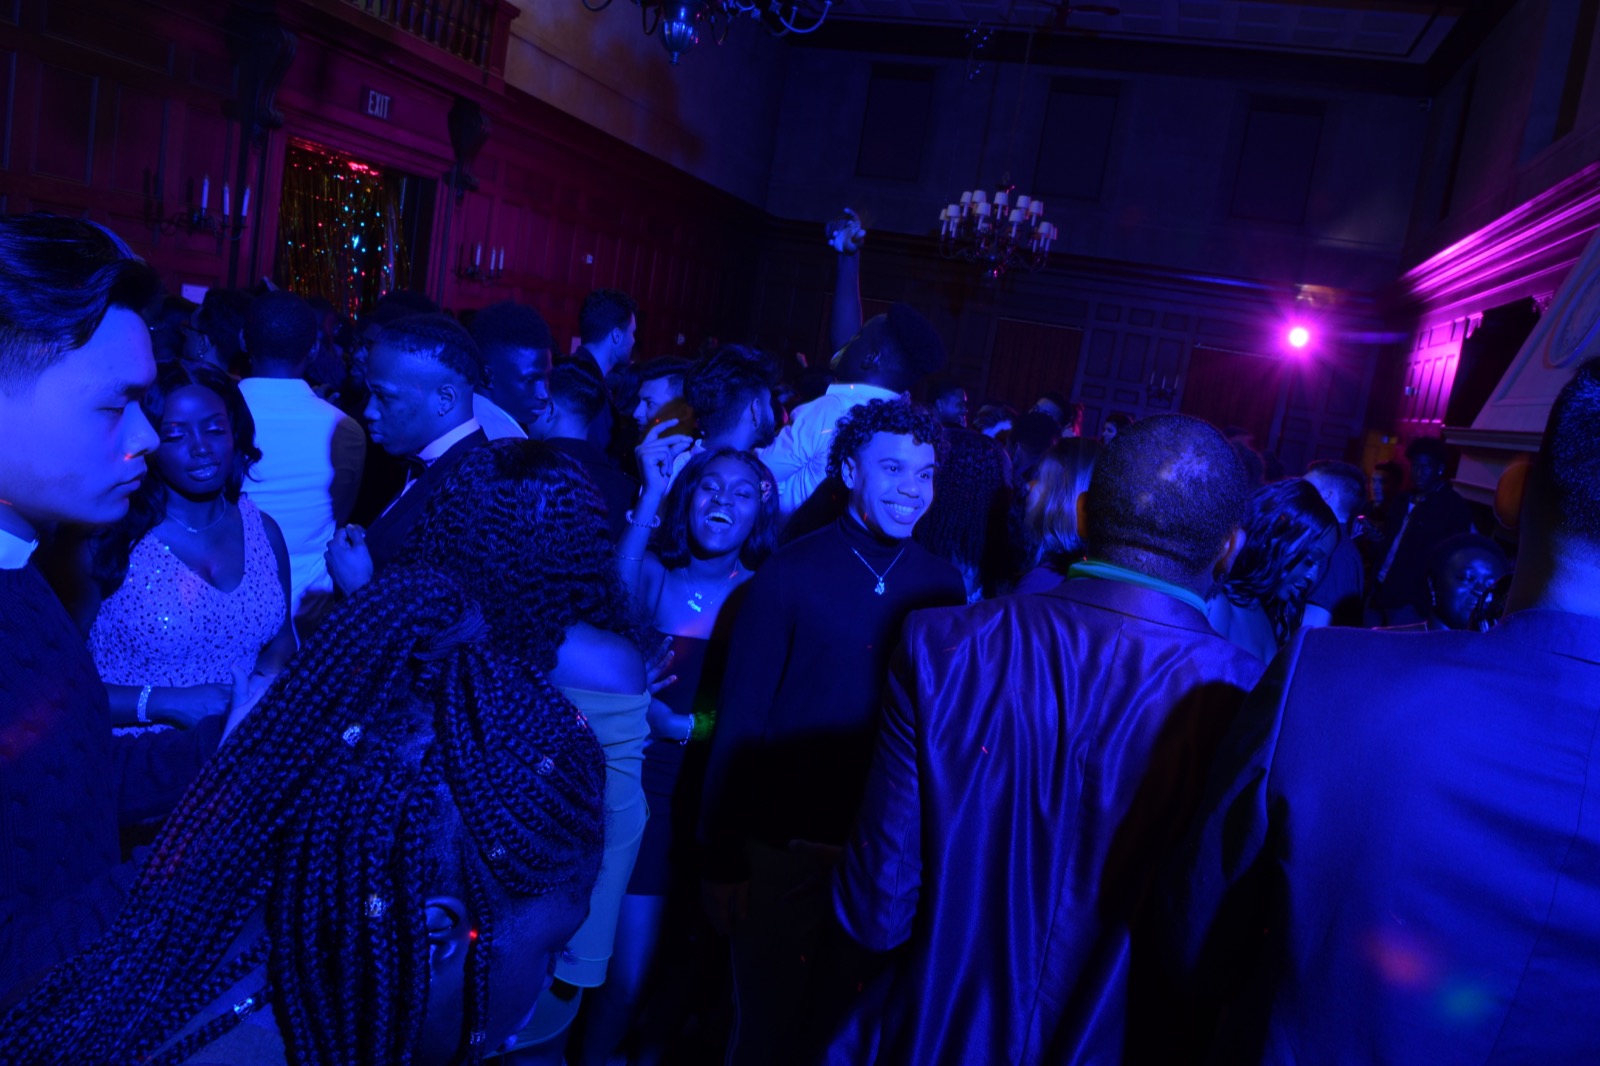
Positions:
{"x": 14, "y": 551}
{"x": 310, "y": 470}
{"x": 496, "y": 423}
{"x": 798, "y": 458}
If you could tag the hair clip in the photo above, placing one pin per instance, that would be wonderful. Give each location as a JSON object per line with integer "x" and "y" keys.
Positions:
{"x": 477, "y": 1037}
{"x": 351, "y": 735}
{"x": 546, "y": 766}
{"x": 245, "y": 1007}
{"x": 497, "y": 853}
{"x": 376, "y": 905}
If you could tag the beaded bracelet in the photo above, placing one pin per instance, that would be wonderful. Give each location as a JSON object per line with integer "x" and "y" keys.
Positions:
{"x": 141, "y": 710}
{"x": 655, "y": 521}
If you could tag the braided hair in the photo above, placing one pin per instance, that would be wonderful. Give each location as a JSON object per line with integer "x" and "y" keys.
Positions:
{"x": 398, "y": 753}
{"x": 523, "y": 529}
{"x": 1285, "y": 521}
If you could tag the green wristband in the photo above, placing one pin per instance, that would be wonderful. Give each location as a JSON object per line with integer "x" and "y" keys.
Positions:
{"x": 704, "y": 723}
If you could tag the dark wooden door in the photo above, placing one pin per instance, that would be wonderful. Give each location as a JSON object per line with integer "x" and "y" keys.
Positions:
{"x": 1030, "y": 358}
{"x": 1233, "y": 389}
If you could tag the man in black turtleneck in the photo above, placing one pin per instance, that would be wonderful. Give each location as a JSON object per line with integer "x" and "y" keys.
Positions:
{"x": 799, "y": 711}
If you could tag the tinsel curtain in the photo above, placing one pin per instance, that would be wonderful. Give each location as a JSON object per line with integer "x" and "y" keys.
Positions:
{"x": 339, "y": 232}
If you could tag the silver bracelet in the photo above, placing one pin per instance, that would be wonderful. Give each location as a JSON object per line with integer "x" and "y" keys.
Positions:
{"x": 141, "y": 710}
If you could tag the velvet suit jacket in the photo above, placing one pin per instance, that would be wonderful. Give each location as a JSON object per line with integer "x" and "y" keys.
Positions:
{"x": 1414, "y": 818}
{"x": 1037, "y": 763}
{"x": 388, "y": 532}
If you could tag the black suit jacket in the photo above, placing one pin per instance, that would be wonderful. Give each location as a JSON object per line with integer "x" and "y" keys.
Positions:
{"x": 620, "y": 491}
{"x": 388, "y": 532}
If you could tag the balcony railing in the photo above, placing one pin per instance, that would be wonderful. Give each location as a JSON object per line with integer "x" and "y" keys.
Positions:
{"x": 473, "y": 30}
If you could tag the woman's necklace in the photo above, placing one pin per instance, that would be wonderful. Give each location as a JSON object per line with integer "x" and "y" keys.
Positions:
{"x": 697, "y": 599}
{"x": 208, "y": 525}
{"x": 879, "y": 587}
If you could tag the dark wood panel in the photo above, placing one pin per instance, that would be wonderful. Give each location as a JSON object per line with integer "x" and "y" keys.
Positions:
{"x": 1031, "y": 358}
{"x": 138, "y": 137}
{"x": 65, "y": 122}
{"x": 1232, "y": 389}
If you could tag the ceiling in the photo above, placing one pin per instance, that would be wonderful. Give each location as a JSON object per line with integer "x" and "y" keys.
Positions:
{"x": 1401, "y": 45}
{"x": 1406, "y": 32}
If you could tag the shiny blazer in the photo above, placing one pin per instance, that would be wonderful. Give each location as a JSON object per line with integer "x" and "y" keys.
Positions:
{"x": 1405, "y": 829}
{"x": 388, "y": 532}
{"x": 1038, "y": 760}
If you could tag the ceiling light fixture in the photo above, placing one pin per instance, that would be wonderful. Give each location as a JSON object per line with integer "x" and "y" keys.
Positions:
{"x": 679, "y": 22}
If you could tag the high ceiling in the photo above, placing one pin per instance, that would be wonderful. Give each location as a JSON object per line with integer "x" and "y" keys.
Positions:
{"x": 1395, "y": 30}
{"x": 1406, "y": 46}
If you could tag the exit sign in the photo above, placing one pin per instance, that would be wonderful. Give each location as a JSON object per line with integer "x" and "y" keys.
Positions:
{"x": 376, "y": 104}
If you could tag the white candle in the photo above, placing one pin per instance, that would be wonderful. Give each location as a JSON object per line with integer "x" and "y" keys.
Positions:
{"x": 501, "y": 265}
{"x": 244, "y": 209}
{"x": 225, "y": 213}
{"x": 477, "y": 255}
{"x": 205, "y": 194}
{"x": 1002, "y": 198}
{"x": 966, "y": 198}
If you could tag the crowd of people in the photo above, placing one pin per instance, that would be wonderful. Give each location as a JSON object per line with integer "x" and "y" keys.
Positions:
{"x": 402, "y": 690}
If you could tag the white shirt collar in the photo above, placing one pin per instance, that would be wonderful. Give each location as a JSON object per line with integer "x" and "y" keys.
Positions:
{"x": 449, "y": 440}
{"x": 862, "y": 391}
{"x": 14, "y": 551}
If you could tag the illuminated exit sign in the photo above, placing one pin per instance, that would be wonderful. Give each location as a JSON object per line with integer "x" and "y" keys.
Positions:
{"x": 376, "y": 104}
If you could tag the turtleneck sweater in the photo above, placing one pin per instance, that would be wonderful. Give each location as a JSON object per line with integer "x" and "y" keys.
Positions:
{"x": 803, "y": 688}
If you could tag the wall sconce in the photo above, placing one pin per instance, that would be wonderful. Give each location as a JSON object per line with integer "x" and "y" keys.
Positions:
{"x": 476, "y": 271}
{"x": 1162, "y": 392}
{"x": 199, "y": 219}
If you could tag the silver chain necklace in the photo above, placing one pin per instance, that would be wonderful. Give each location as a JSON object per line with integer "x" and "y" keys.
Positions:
{"x": 879, "y": 587}
{"x": 697, "y": 598}
{"x": 208, "y": 525}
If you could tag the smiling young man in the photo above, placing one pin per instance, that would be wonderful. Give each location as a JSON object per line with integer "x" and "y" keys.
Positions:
{"x": 799, "y": 710}
{"x": 75, "y": 361}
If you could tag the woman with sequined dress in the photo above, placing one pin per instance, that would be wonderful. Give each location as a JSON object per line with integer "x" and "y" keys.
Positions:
{"x": 193, "y": 584}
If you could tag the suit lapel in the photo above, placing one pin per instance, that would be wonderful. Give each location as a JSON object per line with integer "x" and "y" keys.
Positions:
{"x": 387, "y": 535}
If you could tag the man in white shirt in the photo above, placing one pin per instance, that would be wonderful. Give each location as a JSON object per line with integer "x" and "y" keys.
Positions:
{"x": 421, "y": 372}
{"x": 515, "y": 345}
{"x": 890, "y": 354}
{"x": 311, "y": 452}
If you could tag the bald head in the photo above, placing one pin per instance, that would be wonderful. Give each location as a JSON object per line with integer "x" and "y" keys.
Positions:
{"x": 1165, "y": 498}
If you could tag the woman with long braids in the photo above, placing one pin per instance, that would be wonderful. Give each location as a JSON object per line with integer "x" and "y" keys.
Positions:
{"x": 195, "y": 581}
{"x": 524, "y": 531}
{"x": 1289, "y": 535}
{"x": 692, "y": 544}
{"x": 376, "y": 869}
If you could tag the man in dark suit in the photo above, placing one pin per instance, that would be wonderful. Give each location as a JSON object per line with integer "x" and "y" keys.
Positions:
{"x": 1431, "y": 512}
{"x": 1037, "y": 763}
{"x": 1412, "y": 863}
{"x": 576, "y": 396}
{"x": 421, "y": 372}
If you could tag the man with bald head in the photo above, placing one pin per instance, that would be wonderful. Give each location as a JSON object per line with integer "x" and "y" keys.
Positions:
{"x": 1037, "y": 761}
{"x": 421, "y": 371}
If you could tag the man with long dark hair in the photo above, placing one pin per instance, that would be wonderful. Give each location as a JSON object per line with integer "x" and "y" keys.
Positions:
{"x": 74, "y": 363}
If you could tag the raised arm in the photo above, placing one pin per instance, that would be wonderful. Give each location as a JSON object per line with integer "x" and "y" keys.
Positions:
{"x": 845, "y": 236}
{"x": 640, "y": 571}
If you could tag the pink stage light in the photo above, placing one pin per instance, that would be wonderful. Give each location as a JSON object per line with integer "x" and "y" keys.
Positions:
{"x": 1299, "y": 337}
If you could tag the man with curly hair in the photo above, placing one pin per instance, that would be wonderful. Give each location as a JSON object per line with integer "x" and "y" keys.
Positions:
{"x": 799, "y": 708}
{"x": 1038, "y": 759}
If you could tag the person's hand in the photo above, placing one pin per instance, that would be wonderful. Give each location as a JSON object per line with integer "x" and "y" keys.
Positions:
{"x": 656, "y": 665}
{"x": 183, "y": 707}
{"x": 248, "y": 688}
{"x": 349, "y": 561}
{"x": 657, "y": 454}
{"x": 727, "y": 905}
{"x": 846, "y": 235}
{"x": 666, "y": 724}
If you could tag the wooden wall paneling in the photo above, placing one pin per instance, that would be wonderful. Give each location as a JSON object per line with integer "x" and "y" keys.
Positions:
{"x": 65, "y": 121}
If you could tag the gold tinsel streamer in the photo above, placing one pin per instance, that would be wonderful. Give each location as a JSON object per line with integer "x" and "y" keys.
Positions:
{"x": 339, "y": 232}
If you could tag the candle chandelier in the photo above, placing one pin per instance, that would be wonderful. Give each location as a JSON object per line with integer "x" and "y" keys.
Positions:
{"x": 1006, "y": 232}
{"x": 999, "y": 234}
{"x": 679, "y": 23}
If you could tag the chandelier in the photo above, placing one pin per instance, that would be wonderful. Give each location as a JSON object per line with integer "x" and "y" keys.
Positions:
{"x": 680, "y": 22}
{"x": 999, "y": 234}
